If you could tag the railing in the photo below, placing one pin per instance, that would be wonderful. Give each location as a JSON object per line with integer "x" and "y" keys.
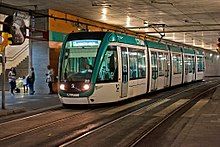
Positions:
{"x": 12, "y": 58}
{"x": 17, "y": 57}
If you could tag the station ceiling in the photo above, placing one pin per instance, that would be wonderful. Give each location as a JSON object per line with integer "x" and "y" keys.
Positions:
{"x": 194, "y": 22}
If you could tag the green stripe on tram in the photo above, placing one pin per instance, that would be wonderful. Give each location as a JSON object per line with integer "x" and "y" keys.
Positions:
{"x": 122, "y": 38}
{"x": 199, "y": 51}
{"x": 113, "y": 37}
{"x": 156, "y": 45}
{"x": 175, "y": 49}
{"x": 189, "y": 51}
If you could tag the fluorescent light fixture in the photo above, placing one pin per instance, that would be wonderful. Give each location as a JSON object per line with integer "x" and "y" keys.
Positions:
{"x": 128, "y": 21}
{"x": 95, "y": 3}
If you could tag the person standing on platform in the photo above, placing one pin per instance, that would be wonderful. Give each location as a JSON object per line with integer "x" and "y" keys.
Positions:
{"x": 12, "y": 80}
{"x": 30, "y": 81}
{"x": 25, "y": 85}
{"x": 50, "y": 78}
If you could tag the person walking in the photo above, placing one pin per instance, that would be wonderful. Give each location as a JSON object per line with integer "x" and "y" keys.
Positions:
{"x": 12, "y": 80}
{"x": 30, "y": 81}
{"x": 50, "y": 78}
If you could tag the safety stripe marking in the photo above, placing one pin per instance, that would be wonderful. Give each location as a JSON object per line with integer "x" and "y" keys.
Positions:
{"x": 121, "y": 108}
{"x": 192, "y": 111}
{"x": 171, "y": 108}
{"x": 150, "y": 107}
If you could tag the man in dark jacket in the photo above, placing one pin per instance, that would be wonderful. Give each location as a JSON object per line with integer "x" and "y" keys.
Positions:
{"x": 31, "y": 80}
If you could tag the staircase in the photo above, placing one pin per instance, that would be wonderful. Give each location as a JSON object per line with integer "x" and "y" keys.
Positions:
{"x": 16, "y": 57}
{"x": 21, "y": 69}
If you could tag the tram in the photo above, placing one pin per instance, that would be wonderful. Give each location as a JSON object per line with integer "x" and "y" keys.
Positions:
{"x": 105, "y": 67}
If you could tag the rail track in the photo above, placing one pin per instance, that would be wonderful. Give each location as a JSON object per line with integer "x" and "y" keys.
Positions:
{"x": 183, "y": 108}
{"x": 77, "y": 125}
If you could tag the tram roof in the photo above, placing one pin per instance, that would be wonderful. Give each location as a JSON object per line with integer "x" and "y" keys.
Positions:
{"x": 175, "y": 48}
{"x": 127, "y": 39}
{"x": 156, "y": 45}
{"x": 188, "y": 51}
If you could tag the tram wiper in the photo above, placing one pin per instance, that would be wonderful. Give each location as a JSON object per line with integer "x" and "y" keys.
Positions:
{"x": 65, "y": 71}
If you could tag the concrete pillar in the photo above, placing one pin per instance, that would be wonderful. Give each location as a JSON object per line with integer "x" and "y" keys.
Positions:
{"x": 39, "y": 55}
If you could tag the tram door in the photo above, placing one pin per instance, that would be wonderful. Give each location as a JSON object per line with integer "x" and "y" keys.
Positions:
{"x": 194, "y": 68}
{"x": 167, "y": 70}
{"x": 124, "y": 60}
{"x": 154, "y": 70}
{"x": 186, "y": 61}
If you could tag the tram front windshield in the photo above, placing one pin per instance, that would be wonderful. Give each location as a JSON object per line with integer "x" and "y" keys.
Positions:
{"x": 78, "y": 60}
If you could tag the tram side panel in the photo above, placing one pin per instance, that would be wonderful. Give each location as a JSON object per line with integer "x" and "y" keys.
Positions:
{"x": 177, "y": 67}
{"x": 108, "y": 87}
{"x": 189, "y": 60}
{"x": 132, "y": 75}
{"x": 137, "y": 71}
{"x": 200, "y": 65}
{"x": 163, "y": 69}
{"x": 159, "y": 65}
{"x": 200, "y": 68}
{"x": 160, "y": 69}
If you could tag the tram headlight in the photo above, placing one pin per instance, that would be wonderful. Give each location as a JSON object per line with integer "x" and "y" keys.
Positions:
{"x": 86, "y": 87}
{"x": 62, "y": 86}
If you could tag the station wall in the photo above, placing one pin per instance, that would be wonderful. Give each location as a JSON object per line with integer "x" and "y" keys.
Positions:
{"x": 212, "y": 63}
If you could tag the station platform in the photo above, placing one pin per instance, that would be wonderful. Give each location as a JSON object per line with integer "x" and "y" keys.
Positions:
{"x": 203, "y": 129}
{"x": 23, "y": 102}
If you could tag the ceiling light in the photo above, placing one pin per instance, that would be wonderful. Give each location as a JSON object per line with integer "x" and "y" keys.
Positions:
{"x": 161, "y": 2}
{"x": 146, "y": 24}
{"x": 95, "y": 3}
{"x": 104, "y": 10}
{"x": 128, "y": 21}
{"x": 104, "y": 13}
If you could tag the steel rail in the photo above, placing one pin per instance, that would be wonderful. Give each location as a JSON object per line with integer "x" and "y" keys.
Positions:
{"x": 43, "y": 125}
{"x": 75, "y": 115}
{"x": 97, "y": 128}
{"x": 167, "y": 117}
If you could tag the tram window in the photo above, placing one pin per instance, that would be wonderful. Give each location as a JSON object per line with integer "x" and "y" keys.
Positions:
{"x": 133, "y": 61}
{"x": 78, "y": 64}
{"x": 137, "y": 64}
{"x": 141, "y": 65}
{"x": 109, "y": 68}
{"x": 186, "y": 61}
{"x": 200, "y": 64}
{"x": 161, "y": 63}
{"x": 190, "y": 63}
{"x": 177, "y": 63}
{"x": 154, "y": 65}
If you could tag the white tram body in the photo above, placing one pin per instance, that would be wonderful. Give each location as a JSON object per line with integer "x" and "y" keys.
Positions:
{"x": 126, "y": 69}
